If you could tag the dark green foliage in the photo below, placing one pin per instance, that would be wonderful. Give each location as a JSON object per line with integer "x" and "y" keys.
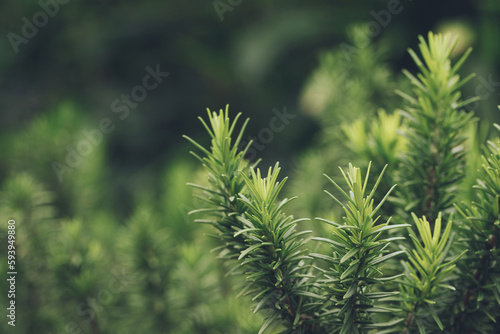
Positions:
{"x": 347, "y": 290}
{"x": 146, "y": 268}
{"x": 270, "y": 252}
{"x": 83, "y": 271}
{"x": 434, "y": 160}
{"x": 479, "y": 304}
{"x": 25, "y": 200}
{"x": 252, "y": 226}
{"x": 358, "y": 253}
{"x": 224, "y": 167}
{"x": 427, "y": 272}
{"x": 273, "y": 260}
{"x": 42, "y": 150}
{"x": 150, "y": 256}
{"x": 77, "y": 261}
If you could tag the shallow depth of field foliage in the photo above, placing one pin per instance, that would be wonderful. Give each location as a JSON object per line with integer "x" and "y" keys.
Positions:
{"x": 374, "y": 209}
{"x": 426, "y": 262}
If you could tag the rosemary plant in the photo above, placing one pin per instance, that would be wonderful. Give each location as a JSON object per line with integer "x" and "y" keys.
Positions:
{"x": 434, "y": 160}
{"x": 253, "y": 228}
{"x": 274, "y": 258}
{"x": 427, "y": 273}
{"x": 478, "y": 310}
{"x": 224, "y": 164}
{"x": 263, "y": 240}
{"x": 358, "y": 252}
{"x": 368, "y": 275}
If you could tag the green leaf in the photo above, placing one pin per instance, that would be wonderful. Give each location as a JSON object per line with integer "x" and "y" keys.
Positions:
{"x": 349, "y": 254}
{"x": 436, "y": 318}
{"x": 269, "y": 321}
{"x": 385, "y": 257}
{"x": 351, "y": 291}
{"x": 252, "y": 248}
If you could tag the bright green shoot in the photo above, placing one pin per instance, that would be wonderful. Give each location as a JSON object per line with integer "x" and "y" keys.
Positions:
{"x": 358, "y": 252}
{"x": 428, "y": 270}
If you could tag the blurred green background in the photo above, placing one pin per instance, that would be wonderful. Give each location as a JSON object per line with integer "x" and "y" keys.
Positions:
{"x": 120, "y": 210}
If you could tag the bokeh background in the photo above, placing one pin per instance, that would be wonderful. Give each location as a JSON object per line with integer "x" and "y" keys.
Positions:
{"x": 122, "y": 208}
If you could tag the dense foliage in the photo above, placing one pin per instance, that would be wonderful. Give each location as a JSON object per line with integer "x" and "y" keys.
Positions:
{"x": 356, "y": 285}
{"x": 104, "y": 242}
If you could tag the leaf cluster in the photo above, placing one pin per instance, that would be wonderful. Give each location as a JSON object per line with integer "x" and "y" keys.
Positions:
{"x": 358, "y": 250}
{"x": 435, "y": 157}
{"x": 479, "y": 308}
{"x": 274, "y": 259}
{"x": 427, "y": 271}
{"x": 263, "y": 240}
{"x": 355, "y": 287}
{"x": 252, "y": 227}
{"x": 223, "y": 162}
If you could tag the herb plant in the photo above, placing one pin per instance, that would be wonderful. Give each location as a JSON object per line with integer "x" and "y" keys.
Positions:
{"x": 408, "y": 258}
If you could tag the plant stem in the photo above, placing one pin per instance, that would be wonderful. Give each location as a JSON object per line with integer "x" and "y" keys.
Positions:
{"x": 478, "y": 275}
{"x": 430, "y": 195}
{"x": 94, "y": 326}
